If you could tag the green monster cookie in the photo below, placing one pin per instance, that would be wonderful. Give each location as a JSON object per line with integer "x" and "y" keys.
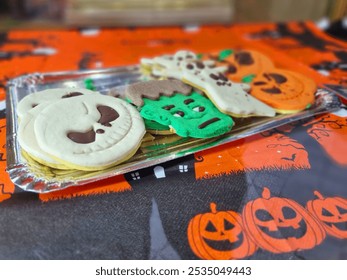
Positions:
{"x": 190, "y": 116}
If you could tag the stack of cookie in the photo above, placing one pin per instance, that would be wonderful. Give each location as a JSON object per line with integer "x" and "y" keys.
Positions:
{"x": 240, "y": 83}
{"x": 78, "y": 129}
{"x": 177, "y": 108}
{"x": 191, "y": 95}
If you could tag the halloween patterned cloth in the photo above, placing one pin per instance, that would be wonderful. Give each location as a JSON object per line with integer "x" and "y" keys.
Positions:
{"x": 280, "y": 194}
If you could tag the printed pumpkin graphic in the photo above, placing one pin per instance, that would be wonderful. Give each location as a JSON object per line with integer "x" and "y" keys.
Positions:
{"x": 219, "y": 235}
{"x": 332, "y": 212}
{"x": 330, "y": 131}
{"x": 258, "y": 152}
{"x": 281, "y": 225}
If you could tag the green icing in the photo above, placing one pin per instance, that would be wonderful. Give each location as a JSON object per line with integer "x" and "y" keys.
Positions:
{"x": 248, "y": 78}
{"x": 224, "y": 54}
{"x": 190, "y": 116}
{"x": 153, "y": 125}
{"x": 199, "y": 56}
{"x": 89, "y": 84}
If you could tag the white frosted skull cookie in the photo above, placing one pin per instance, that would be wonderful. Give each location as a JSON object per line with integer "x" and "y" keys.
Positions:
{"x": 90, "y": 132}
{"x": 27, "y": 139}
{"x": 49, "y": 95}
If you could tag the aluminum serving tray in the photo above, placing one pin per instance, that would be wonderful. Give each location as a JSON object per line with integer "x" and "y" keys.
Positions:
{"x": 32, "y": 176}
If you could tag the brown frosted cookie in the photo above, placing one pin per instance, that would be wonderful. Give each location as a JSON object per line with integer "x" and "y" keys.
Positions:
{"x": 154, "y": 89}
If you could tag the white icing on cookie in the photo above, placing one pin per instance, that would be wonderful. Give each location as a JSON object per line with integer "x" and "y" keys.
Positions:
{"x": 48, "y": 95}
{"x": 90, "y": 132}
{"x": 230, "y": 98}
{"x": 170, "y": 65}
{"x": 27, "y": 139}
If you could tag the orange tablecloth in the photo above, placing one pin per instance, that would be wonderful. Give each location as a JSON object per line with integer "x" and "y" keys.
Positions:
{"x": 277, "y": 195}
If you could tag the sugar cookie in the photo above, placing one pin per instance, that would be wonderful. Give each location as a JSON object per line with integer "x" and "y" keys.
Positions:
{"x": 189, "y": 116}
{"x": 157, "y": 128}
{"x": 229, "y": 97}
{"x": 90, "y": 132}
{"x": 27, "y": 139}
{"x": 54, "y": 94}
{"x": 154, "y": 89}
{"x": 170, "y": 65}
{"x": 286, "y": 91}
{"x": 241, "y": 64}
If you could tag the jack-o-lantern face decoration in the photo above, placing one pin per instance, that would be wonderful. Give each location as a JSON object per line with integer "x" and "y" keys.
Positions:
{"x": 219, "y": 235}
{"x": 89, "y": 132}
{"x": 241, "y": 63}
{"x": 284, "y": 90}
{"x": 332, "y": 212}
{"x": 280, "y": 225}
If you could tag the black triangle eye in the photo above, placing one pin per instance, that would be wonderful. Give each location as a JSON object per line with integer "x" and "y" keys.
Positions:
{"x": 228, "y": 225}
{"x": 341, "y": 210}
{"x": 326, "y": 213}
{"x": 210, "y": 227}
{"x": 263, "y": 215}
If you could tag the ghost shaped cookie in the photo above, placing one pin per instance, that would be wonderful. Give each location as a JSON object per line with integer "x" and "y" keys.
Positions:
{"x": 229, "y": 97}
{"x": 170, "y": 65}
{"x": 49, "y": 95}
{"x": 90, "y": 132}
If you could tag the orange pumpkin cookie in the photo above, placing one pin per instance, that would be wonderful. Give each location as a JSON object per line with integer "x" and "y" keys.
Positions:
{"x": 285, "y": 91}
{"x": 241, "y": 64}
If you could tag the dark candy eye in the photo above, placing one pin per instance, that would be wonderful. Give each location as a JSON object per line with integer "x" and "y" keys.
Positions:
{"x": 179, "y": 114}
{"x": 188, "y": 101}
{"x": 168, "y": 107}
{"x": 199, "y": 109}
